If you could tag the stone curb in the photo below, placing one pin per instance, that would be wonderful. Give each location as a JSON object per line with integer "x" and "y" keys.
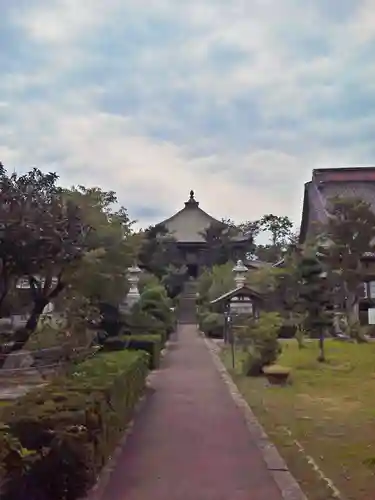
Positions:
{"x": 276, "y": 465}
{"x": 98, "y": 490}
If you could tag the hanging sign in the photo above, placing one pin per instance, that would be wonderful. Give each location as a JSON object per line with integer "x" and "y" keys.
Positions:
{"x": 241, "y": 305}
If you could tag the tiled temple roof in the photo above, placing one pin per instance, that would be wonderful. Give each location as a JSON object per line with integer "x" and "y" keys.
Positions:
{"x": 328, "y": 183}
{"x": 188, "y": 224}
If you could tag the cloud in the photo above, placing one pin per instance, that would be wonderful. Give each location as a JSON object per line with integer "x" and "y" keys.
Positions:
{"x": 237, "y": 100}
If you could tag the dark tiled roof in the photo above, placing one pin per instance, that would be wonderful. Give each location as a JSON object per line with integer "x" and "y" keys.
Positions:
{"x": 349, "y": 174}
{"x": 330, "y": 183}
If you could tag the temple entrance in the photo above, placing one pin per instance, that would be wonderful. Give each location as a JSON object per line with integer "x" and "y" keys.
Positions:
{"x": 192, "y": 270}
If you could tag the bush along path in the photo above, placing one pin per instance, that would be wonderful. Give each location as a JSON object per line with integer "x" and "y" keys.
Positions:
{"x": 55, "y": 440}
{"x": 191, "y": 441}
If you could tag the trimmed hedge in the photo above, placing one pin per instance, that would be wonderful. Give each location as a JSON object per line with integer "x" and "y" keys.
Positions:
{"x": 152, "y": 344}
{"x": 161, "y": 332}
{"x": 212, "y": 324}
{"x": 60, "y": 436}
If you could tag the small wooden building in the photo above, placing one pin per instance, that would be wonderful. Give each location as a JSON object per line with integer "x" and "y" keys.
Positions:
{"x": 240, "y": 300}
{"x": 238, "y": 307}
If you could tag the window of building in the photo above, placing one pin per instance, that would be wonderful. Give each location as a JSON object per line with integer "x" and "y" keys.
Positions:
{"x": 372, "y": 289}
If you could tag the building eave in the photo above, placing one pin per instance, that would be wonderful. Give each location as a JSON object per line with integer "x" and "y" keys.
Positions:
{"x": 236, "y": 291}
{"x": 184, "y": 210}
{"x": 305, "y": 214}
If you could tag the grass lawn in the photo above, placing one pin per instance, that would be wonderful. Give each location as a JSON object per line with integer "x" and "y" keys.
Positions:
{"x": 329, "y": 409}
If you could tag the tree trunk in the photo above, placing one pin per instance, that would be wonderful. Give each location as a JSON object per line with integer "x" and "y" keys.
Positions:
{"x": 337, "y": 330}
{"x": 352, "y": 307}
{"x": 22, "y": 335}
{"x": 3, "y": 296}
{"x": 321, "y": 357}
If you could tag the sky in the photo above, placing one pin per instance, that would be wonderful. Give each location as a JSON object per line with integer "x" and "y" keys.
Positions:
{"x": 236, "y": 99}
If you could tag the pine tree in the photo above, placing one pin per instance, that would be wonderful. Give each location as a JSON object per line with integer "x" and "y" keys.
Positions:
{"x": 316, "y": 295}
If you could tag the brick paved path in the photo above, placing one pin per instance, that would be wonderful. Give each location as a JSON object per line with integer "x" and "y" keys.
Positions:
{"x": 190, "y": 441}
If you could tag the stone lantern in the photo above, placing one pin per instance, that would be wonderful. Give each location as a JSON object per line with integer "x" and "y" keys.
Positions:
{"x": 239, "y": 272}
{"x": 132, "y": 296}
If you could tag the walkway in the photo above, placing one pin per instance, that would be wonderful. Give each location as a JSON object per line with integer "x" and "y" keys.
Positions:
{"x": 190, "y": 441}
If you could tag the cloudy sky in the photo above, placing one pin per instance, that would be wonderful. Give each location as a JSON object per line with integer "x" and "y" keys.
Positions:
{"x": 236, "y": 99}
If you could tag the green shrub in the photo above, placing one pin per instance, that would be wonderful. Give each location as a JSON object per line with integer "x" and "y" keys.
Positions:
{"x": 141, "y": 322}
{"x": 151, "y": 314}
{"x": 215, "y": 281}
{"x": 212, "y": 324}
{"x": 152, "y": 344}
{"x": 148, "y": 280}
{"x": 71, "y": 426}
{"x": 14, "y": 459}
{"x": 114, "y": 344}
{"x": 252, "y": 364}
{"x": 202, "y": 312}
{"x": 155, "y": 302}
{"x": 261, "y": 343}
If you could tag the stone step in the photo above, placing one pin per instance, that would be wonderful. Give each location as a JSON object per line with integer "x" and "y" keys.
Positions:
{"x": 187, "y": 308}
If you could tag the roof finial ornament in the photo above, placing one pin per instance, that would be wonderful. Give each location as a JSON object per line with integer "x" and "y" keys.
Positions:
{"x": 191, "y": 203}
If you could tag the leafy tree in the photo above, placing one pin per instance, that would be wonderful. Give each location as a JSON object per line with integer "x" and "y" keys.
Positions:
{"x": 263, "y": 279}
{"x": 317, "y": 296}
{"x": 280, "y": 228}
{"x": 43, "y": 235}
{"x": 250, "y": 229}
{"x": 348, "y": 235}
{"x": 215, "y": 282}
{"x": 148, "y": 280}
{"x": 17, "y": 229}
{"x": 100, "y": 282}
{"x": 174, "y": 280}
{"x": 288, "y": 290}
{"x": 268, "y": 253}
{"x": 281, "y": 287}
{"x": 219, "y": 238}
{"x": 158, "y": 251}
{"x": 79, "y": 320}
{"x": 293, "y": 241}
{"x": 111, "y": 247}
{"x": 71, "y": 246}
